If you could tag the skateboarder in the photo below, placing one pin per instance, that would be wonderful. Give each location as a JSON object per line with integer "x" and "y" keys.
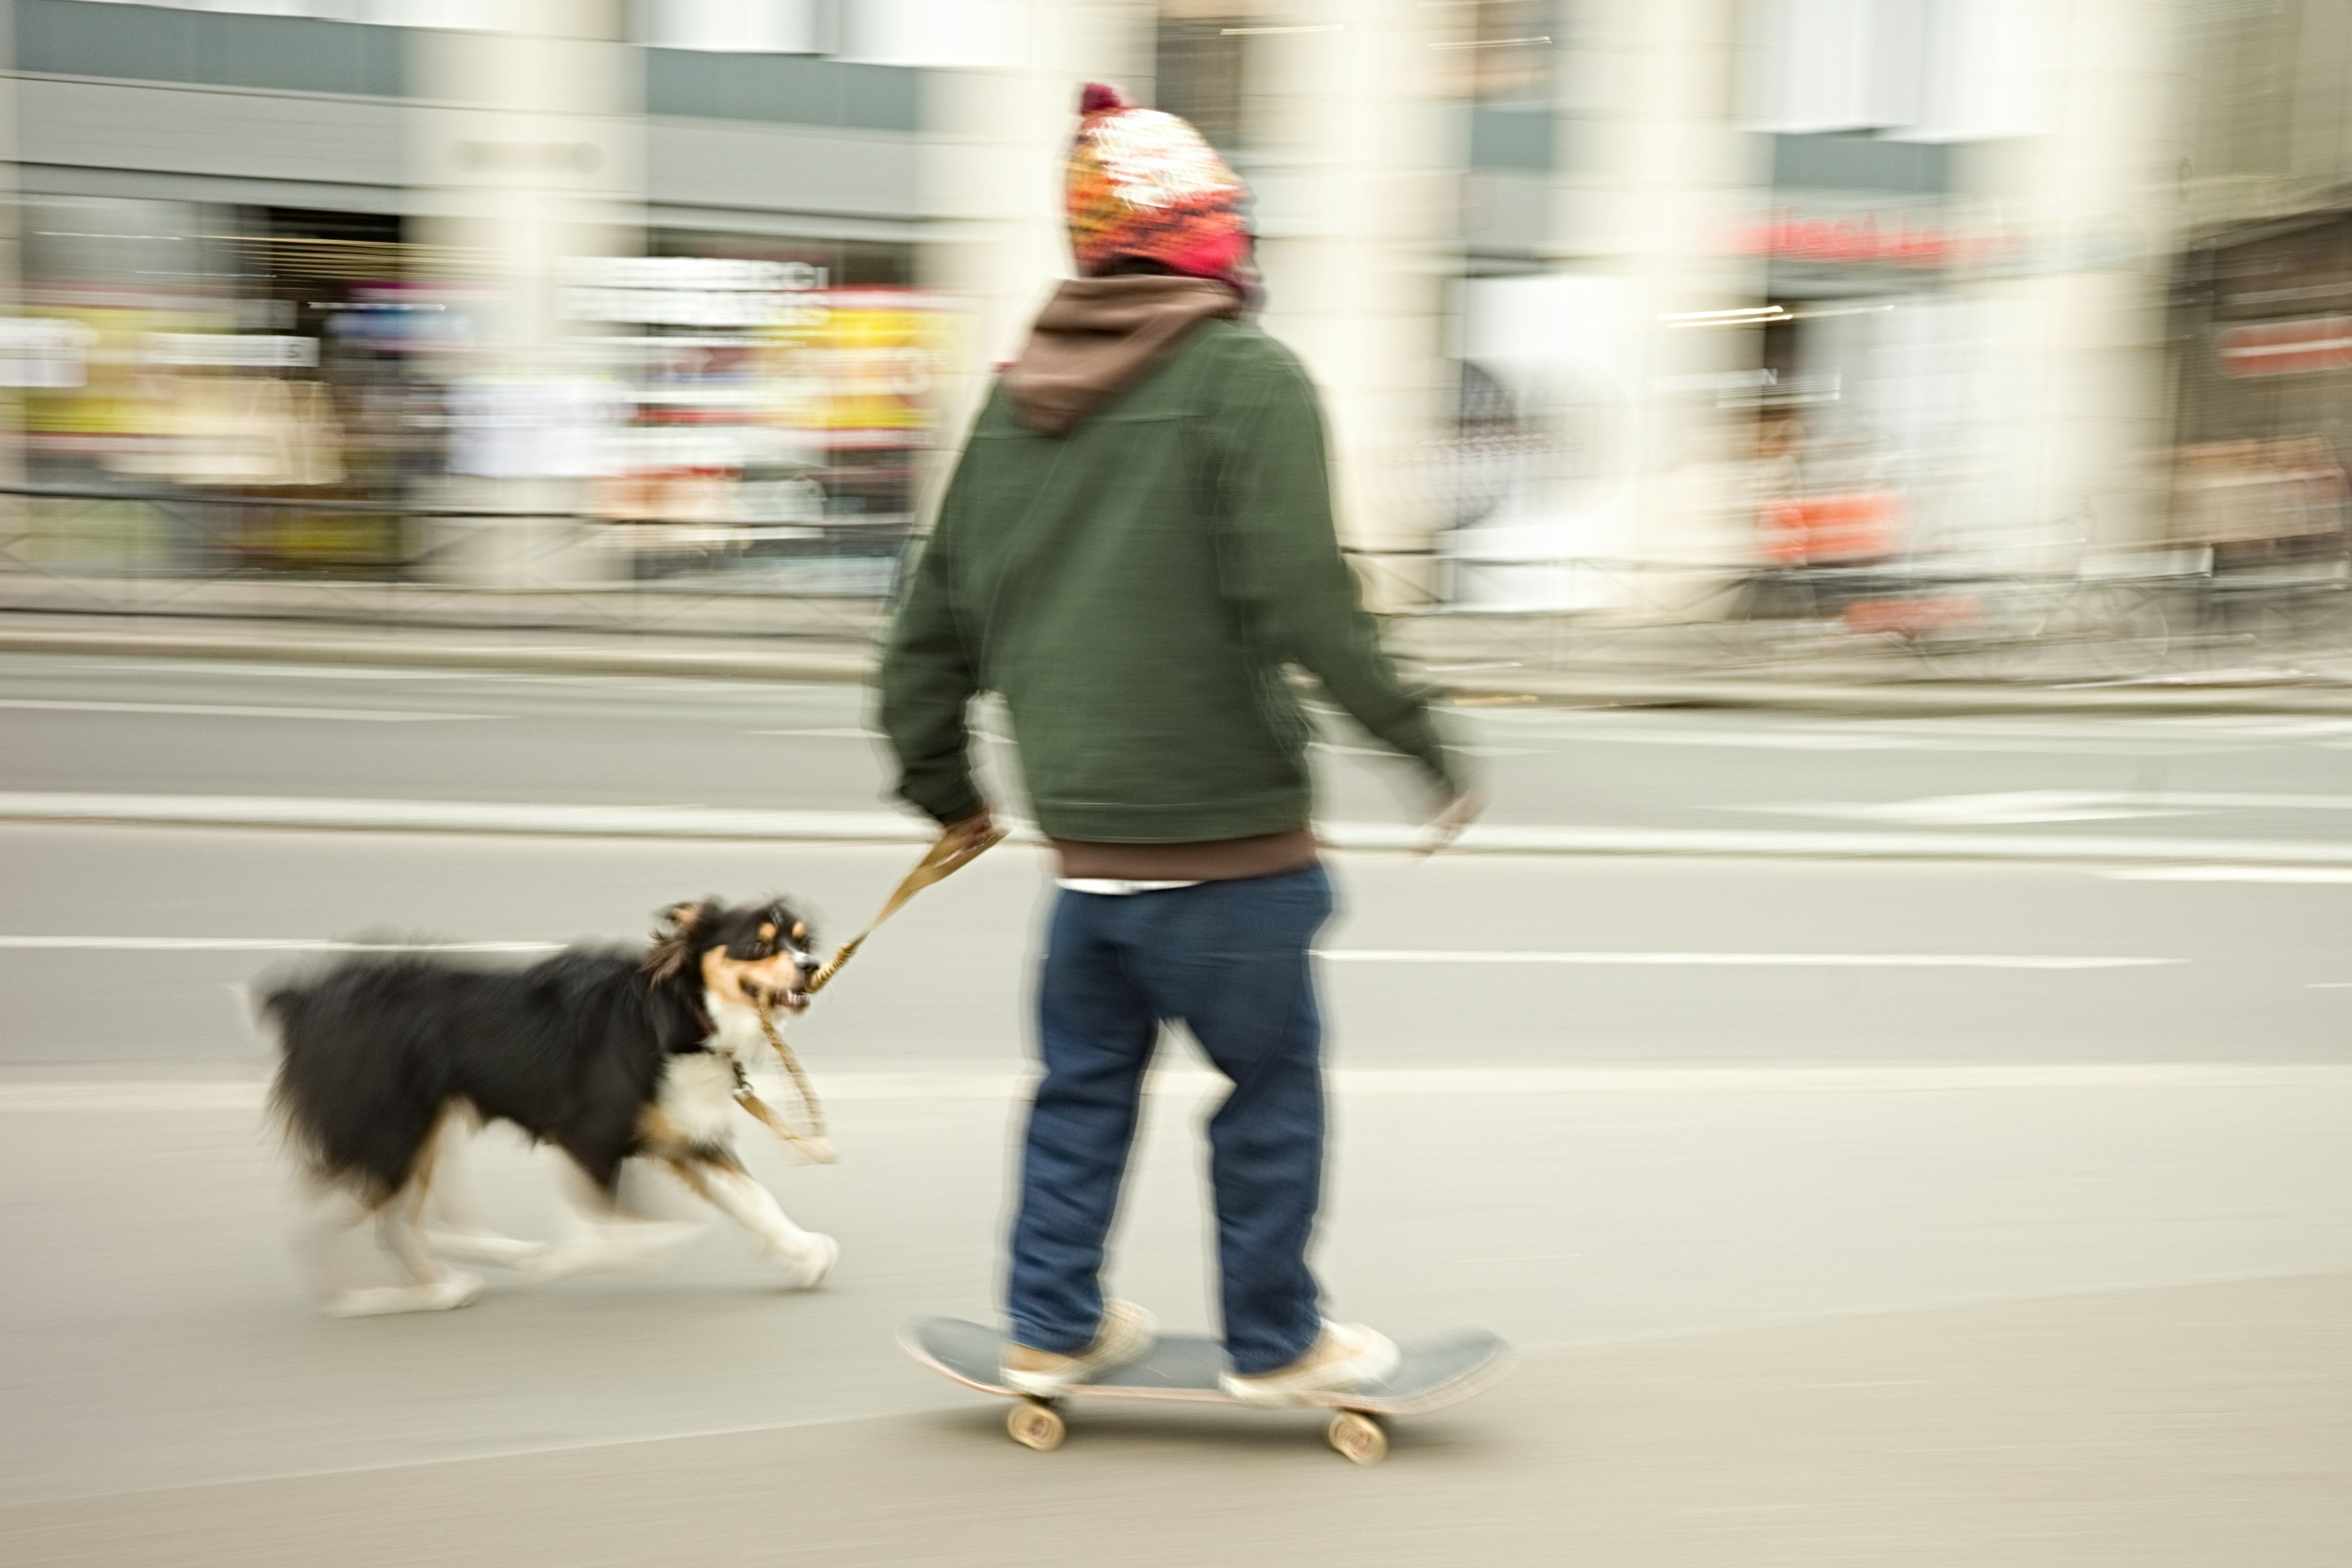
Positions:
{"x": 1137, "y": 541}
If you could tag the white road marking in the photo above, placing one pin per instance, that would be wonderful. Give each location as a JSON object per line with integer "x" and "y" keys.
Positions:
{"x": 523, "y": 818}
{"x": 2012, "y": 808}
{"x": 1837, "y": 741}
{"x": 2007, "y": 809}
{"x": 230, "y": 711}
{"x": 2233, "y": 874}
{"x": 2124, "y": 738}
{"x": 1336, "y": 955}
{"x": 1341, "y": 749}
{"x": 1759, "y": 960}
{"x": 1394, "y": 1083}
{"x": 836, "y": 734}
{"x": 254, "y": 944}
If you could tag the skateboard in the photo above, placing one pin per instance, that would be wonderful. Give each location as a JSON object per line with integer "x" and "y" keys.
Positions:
{"x": 1433, "y": 1372}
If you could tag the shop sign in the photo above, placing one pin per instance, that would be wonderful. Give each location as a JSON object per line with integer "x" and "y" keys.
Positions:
{"x": 232, "y": 350}
{"x": 1856, "y": 239}
{"x": 691, "y": 291}
{"x": 1871, "y": 240}
{"x": 861, "y": 374}
{"x": 2287, "y": 348}
{"x": 39, "y": 350}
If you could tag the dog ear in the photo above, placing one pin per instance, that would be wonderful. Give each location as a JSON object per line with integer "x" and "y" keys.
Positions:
{"x": 673, "y": 943}
{"x": 684, "y": 917}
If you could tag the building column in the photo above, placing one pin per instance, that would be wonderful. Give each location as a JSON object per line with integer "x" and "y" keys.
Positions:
{"x": 2079, "y": 405}
{"x": 1654, "y": 173}
{"x": 1355, "y": 160}
{"x": 996, "y": 139}
{"x": 525, "y": 148}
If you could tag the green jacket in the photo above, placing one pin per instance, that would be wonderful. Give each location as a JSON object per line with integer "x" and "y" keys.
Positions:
{"x": 1133, "y": 589}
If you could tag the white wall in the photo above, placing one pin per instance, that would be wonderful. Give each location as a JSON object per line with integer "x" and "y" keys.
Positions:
{"x": 737, "y": 26}
{"x": 1917, "y": 70}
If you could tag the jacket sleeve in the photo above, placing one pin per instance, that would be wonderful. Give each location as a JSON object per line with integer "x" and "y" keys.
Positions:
{"x": 1284, "y": 566}
{"x": 929, "y": 676}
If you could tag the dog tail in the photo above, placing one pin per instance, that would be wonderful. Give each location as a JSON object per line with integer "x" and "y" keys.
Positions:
{"x": 353, "y": 1092}
{"x": 294, "y": 1100}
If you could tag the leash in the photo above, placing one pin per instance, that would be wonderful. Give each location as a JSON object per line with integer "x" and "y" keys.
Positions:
{"x": 944, "y": 859}
{"x": 941, "y": 860}
{"x": 811, "y": 1141}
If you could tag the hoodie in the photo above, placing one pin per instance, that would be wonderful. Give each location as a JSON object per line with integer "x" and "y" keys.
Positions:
{"x": 1135, "y": 546}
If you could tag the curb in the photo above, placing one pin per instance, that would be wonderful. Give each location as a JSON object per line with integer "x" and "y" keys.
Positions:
{"x": 1894, "y": 700}
{"x": 513, "y": 820}
{"x": 852, "y": 665}
{"x": 761, "y": 663}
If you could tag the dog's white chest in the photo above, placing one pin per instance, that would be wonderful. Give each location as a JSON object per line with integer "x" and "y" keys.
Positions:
{"x": 735, "y": 1031}
{"x": 697, "y": 1095}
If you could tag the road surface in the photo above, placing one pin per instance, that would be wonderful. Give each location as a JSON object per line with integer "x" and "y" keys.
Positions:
{"x": 1858, "y": 1210}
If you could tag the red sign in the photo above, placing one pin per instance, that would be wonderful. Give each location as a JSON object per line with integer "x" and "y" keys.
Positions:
{"x": 2285, "y": 348}
{"x": 1862, "y": 239}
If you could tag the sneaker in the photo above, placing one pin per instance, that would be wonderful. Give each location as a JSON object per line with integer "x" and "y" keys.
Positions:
{"x": 1127, "y": 1334}
{"x": 1345, "y": 1358}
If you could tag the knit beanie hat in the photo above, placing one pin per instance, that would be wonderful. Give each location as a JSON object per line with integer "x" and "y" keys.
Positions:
{"x": 1141, "y": 183}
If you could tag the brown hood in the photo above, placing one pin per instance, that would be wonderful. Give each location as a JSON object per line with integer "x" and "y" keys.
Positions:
{"x": 1097, "y": 334}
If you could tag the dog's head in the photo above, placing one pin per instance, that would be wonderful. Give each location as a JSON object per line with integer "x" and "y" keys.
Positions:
{"x": 753, "y": 955}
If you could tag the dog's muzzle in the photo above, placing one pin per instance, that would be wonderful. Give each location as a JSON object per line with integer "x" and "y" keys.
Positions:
{"x": 791, "y": 999}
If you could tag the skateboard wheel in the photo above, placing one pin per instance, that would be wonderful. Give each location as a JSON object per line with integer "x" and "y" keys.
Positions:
{"x": 1036, "y": 1425}
{"x": 1358, "y": 1438}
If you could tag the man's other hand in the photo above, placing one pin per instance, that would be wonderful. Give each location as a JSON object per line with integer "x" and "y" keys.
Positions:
{"x": 1447, "y": 825}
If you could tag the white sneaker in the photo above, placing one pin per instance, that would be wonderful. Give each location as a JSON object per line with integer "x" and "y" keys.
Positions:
{"x": 1346, "y": 1358}
{"x": 1126, "y": 1334}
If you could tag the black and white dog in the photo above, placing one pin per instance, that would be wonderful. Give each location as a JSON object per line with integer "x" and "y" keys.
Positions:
{"x": 606, "y": 1054}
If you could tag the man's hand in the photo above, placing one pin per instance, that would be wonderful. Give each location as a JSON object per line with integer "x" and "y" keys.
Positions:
{"x": 969, "y": 836}
{"x": 1448, "y": 823}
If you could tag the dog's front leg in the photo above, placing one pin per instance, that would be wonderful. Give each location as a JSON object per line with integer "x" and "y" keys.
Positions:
{"x": 602, "y": 1234}
{"x": 807, "y": 1257}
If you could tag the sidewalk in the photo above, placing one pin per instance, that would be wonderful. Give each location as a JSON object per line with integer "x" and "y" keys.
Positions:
{"x": 1847, "y": 1318}
{"x": 2183, "y": 1427}
{"x": 838, "y": 648}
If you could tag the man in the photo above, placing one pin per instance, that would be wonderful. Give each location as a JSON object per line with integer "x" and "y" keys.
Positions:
{"x": 1136, "y": 542}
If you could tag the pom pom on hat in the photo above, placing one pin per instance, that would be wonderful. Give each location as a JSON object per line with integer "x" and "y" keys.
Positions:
{"x": 1098, "y": 96}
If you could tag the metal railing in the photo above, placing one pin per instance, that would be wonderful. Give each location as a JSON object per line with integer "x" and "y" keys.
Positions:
{"x": 103, "y": 550}
{"x": 1943, "y": 617}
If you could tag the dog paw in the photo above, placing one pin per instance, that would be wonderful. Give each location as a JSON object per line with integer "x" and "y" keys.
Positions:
{"x": 816, "y": 1150}
{"x": 807, "y": 1268}
{"x": 455, "y": 1289}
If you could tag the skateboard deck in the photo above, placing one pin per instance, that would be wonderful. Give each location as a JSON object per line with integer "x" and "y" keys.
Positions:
{"x": 1433, "y": 1371}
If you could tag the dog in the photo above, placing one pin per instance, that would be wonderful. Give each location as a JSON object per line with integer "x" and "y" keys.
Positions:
{"x": 607, "y": 1054}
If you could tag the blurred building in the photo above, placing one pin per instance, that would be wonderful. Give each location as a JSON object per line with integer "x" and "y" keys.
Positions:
{"x": 2262, "y": 304}
{"x": 655, "y": 263}
{"x": 1611, "y": 300}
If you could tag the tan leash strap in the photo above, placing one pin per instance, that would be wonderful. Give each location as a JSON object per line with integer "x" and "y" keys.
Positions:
{"x": 812, "y": 1112}
{"x": 944, "y": 859}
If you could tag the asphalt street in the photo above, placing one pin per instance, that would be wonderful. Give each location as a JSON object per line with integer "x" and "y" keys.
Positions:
{"x": 116, "y": 726}
{"x": 1855, "y": 1209}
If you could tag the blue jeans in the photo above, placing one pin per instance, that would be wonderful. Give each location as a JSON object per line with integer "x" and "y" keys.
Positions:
{"x": 1229, "y": 960}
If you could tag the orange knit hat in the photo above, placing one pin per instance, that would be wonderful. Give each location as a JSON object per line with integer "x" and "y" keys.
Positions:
{"x": 1141, "y": 183}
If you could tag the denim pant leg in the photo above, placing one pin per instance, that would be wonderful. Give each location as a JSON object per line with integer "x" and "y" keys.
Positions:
{"x": 1095, "y": 1033}
{"x": 1237, "y": 971}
